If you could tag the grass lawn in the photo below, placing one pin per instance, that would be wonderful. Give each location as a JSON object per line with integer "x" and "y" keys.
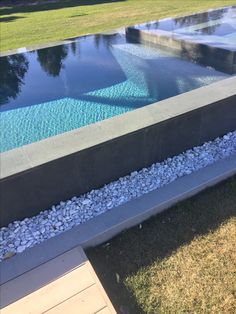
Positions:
{"x": 181, "y": 261}
{"x": 27, "y": 25}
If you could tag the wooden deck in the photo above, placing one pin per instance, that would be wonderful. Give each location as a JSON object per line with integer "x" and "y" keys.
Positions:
{"x": 66, "y": 284}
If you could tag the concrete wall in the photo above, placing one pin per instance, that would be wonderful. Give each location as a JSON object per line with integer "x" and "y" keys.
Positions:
{"x": 219, "y": 58}
{"x": 41, "y": 174}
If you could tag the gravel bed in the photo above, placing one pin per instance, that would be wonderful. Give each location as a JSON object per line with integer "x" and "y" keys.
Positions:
{"x": 20, "y": 235}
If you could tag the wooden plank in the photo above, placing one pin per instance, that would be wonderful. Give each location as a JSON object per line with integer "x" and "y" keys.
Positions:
{"x": 98, "y": 283}
{"x": 40, "y": 276}
{"x": 88, "y": 301}
{"x": 65, "y": 283}
{"x": 53, "y": 293}
{"x": 106, "y": 310}
{"x": 100, "y": 287}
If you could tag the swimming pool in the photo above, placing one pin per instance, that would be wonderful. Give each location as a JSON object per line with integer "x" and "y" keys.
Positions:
{"x": 50, "y": 91}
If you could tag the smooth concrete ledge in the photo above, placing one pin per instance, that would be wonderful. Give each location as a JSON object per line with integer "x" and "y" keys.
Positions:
{"x": 38, "y": 175}
{"x": 222, "y": 59}
{"x": 109, "y": 224}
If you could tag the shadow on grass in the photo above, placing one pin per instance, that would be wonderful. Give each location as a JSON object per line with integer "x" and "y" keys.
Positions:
{"x": 158, "y": 238}
{"x": 11, "y": 9}
{"x": 78, "y": 15}
{"x": 10, "y": 18}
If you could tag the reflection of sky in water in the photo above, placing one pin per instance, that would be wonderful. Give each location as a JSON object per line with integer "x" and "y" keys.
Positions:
{"x": 216, "y": 27}
{"x": 219, "y": 30}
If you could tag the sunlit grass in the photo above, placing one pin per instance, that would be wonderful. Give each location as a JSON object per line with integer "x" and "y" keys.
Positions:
{"x": 181, "y": 261}
{"x": 198, "y": 278}
{"x": 29, "y": 25}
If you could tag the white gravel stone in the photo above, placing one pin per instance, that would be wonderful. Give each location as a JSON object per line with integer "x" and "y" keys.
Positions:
{"x": 20, "y": 249}
{"x": 20, "y": 235}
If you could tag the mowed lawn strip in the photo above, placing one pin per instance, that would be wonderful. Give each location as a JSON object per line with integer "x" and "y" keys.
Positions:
{"x": 181, "y": 261}
{"x": 26, "y": 25}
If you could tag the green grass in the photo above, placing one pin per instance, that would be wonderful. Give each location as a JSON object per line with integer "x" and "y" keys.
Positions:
{"x": 181, "y": 261}
{"x": 28, "y": 25}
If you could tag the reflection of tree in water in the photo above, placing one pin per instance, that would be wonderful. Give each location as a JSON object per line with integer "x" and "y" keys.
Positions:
{"x": 73, "y": 47}
{"x": 152, "y": 25}
{"x": 156, "y": 24}
{"x": 106, "y": 39}
{"x": 200, "y": 19}
{"x": 13, "y": 70}
{"x": 51, "y": 59}
{"x": 148, "y": 25}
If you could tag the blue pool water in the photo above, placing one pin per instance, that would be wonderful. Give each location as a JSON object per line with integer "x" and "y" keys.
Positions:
{"x": 54, "y": 90}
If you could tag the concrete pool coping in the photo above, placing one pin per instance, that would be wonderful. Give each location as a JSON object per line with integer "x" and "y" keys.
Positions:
{"x": 35, "y": 154}
{"x": 107, "y": 225}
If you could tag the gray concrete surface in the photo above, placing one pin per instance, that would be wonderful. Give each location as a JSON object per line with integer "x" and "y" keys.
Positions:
{"x": 109, "y": 224}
